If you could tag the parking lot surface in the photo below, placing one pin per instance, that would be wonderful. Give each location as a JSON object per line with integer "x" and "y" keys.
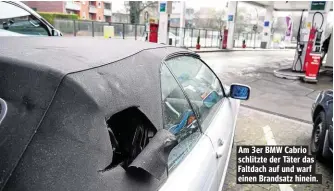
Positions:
{"x": 250, "y": 131}
{"x": 282, "y": 105}
{"x": 289, "y": 98}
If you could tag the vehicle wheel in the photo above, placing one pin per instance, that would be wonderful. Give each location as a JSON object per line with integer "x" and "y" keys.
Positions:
{"x": 318, "y": 135}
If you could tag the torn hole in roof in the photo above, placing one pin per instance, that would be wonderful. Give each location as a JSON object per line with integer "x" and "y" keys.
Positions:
{"x": 136, "y": 144}
{"x": 130, "y": 131}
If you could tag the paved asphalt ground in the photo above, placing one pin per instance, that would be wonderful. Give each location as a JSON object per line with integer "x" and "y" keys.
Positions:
{"x": 283, "y": 105}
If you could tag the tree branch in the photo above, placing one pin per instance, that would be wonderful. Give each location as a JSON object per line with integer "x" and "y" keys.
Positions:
{"x": 148, "y": 4}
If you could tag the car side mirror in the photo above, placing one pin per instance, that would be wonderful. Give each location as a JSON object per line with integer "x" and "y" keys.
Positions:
{"x": 238, "y": 91}
{"x": 56, "y": 32}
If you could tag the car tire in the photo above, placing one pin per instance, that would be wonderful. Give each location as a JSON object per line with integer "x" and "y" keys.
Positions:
{"x": 318, "y": 135}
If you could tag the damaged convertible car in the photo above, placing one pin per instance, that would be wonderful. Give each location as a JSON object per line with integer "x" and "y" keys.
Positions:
{"x": 109, "y": 114}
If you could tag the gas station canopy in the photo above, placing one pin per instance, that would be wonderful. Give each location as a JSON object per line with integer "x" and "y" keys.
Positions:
{"x": 284, "y": 5}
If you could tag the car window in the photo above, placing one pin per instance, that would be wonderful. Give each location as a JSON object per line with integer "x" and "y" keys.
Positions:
{"x": 15, "y": 20}
{"x": 179, "y": 118}
{"x": 200, "y": 84}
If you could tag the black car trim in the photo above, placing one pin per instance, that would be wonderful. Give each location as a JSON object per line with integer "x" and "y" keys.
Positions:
{"x": 198, "y": 57}
{"x": 3, "y": 110}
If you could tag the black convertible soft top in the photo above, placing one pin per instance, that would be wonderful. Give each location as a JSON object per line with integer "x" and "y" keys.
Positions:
{"x": 59, "y": 92}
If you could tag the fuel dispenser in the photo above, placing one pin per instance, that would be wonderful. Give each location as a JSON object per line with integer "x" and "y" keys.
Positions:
{"x": 313, "y": 52}
{"x": 153, "y": 32}
{"x": 298, "y": 62}
{"x": 225, "y": 39}
{"x": 308, "y": 54}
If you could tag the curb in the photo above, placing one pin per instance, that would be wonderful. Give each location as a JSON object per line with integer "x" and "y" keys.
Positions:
{"x": 231, "y": 50}
{"x": 286, "y": 73}
{"x": 284, "y": 76}
{"x": 204, "y": 51}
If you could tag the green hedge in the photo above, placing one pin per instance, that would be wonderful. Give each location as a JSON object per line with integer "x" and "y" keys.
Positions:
{"x": 51, "y": 16}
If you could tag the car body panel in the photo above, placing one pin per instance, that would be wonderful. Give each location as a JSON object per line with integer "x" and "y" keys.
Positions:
{"x": 217, "y": 120}
{"x": 330, "y": 122}
{"x": 9, "y": 33}
{"x": 221, "y": 184}
{"x": 220, "y": 132}
{"x": 197, "y": 171}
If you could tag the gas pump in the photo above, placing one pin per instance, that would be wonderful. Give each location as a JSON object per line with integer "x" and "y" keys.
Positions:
{"x": 299, "y": 56}
{"x": 153, "y": 32}
{"x": 308, "y": 53}
{"x": 307, "y": 60}
{"x": 313, "y": 51}
{"x": 225, "y": 38}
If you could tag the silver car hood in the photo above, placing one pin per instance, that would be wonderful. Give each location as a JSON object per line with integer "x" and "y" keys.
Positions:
{"x": 9, "y": 33}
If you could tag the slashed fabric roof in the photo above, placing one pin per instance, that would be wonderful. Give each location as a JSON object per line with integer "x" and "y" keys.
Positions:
{"x": 59, "y": 92}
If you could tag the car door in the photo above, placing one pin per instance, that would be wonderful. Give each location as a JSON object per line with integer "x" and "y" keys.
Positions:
{"x": 192, "y": 162}
{"x": 217, "y": 121}
{"x": 330, "y": 123}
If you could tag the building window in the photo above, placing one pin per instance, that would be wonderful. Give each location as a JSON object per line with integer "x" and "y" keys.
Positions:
{"x": 107, "y": 5}
{"x": 91, "y": 3}
{"x": 99, "y": 4}
{"x": 107, "y": 18}
{"x": 99, "y": 18}
{"x": 84, "y": 15}
{"x": 69, "y": 11}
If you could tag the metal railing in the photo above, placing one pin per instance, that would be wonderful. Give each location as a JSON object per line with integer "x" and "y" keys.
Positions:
{"x": 95, "y": 29}
{"x": 209, "y": 38}
{"x": 253, "y": 40}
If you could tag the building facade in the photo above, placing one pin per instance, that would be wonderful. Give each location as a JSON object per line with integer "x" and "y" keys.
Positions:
{"x": 86, "y": 10}
{"x": 120, "y": 18}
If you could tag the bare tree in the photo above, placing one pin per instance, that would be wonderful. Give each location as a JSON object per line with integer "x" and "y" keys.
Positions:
{"x": 279, "y": 25}
{"x": 242, "y": 20}
{"x": 219, "y": 17}
{"x": 212, "y": 19}
{"x": 136, "y": 7}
